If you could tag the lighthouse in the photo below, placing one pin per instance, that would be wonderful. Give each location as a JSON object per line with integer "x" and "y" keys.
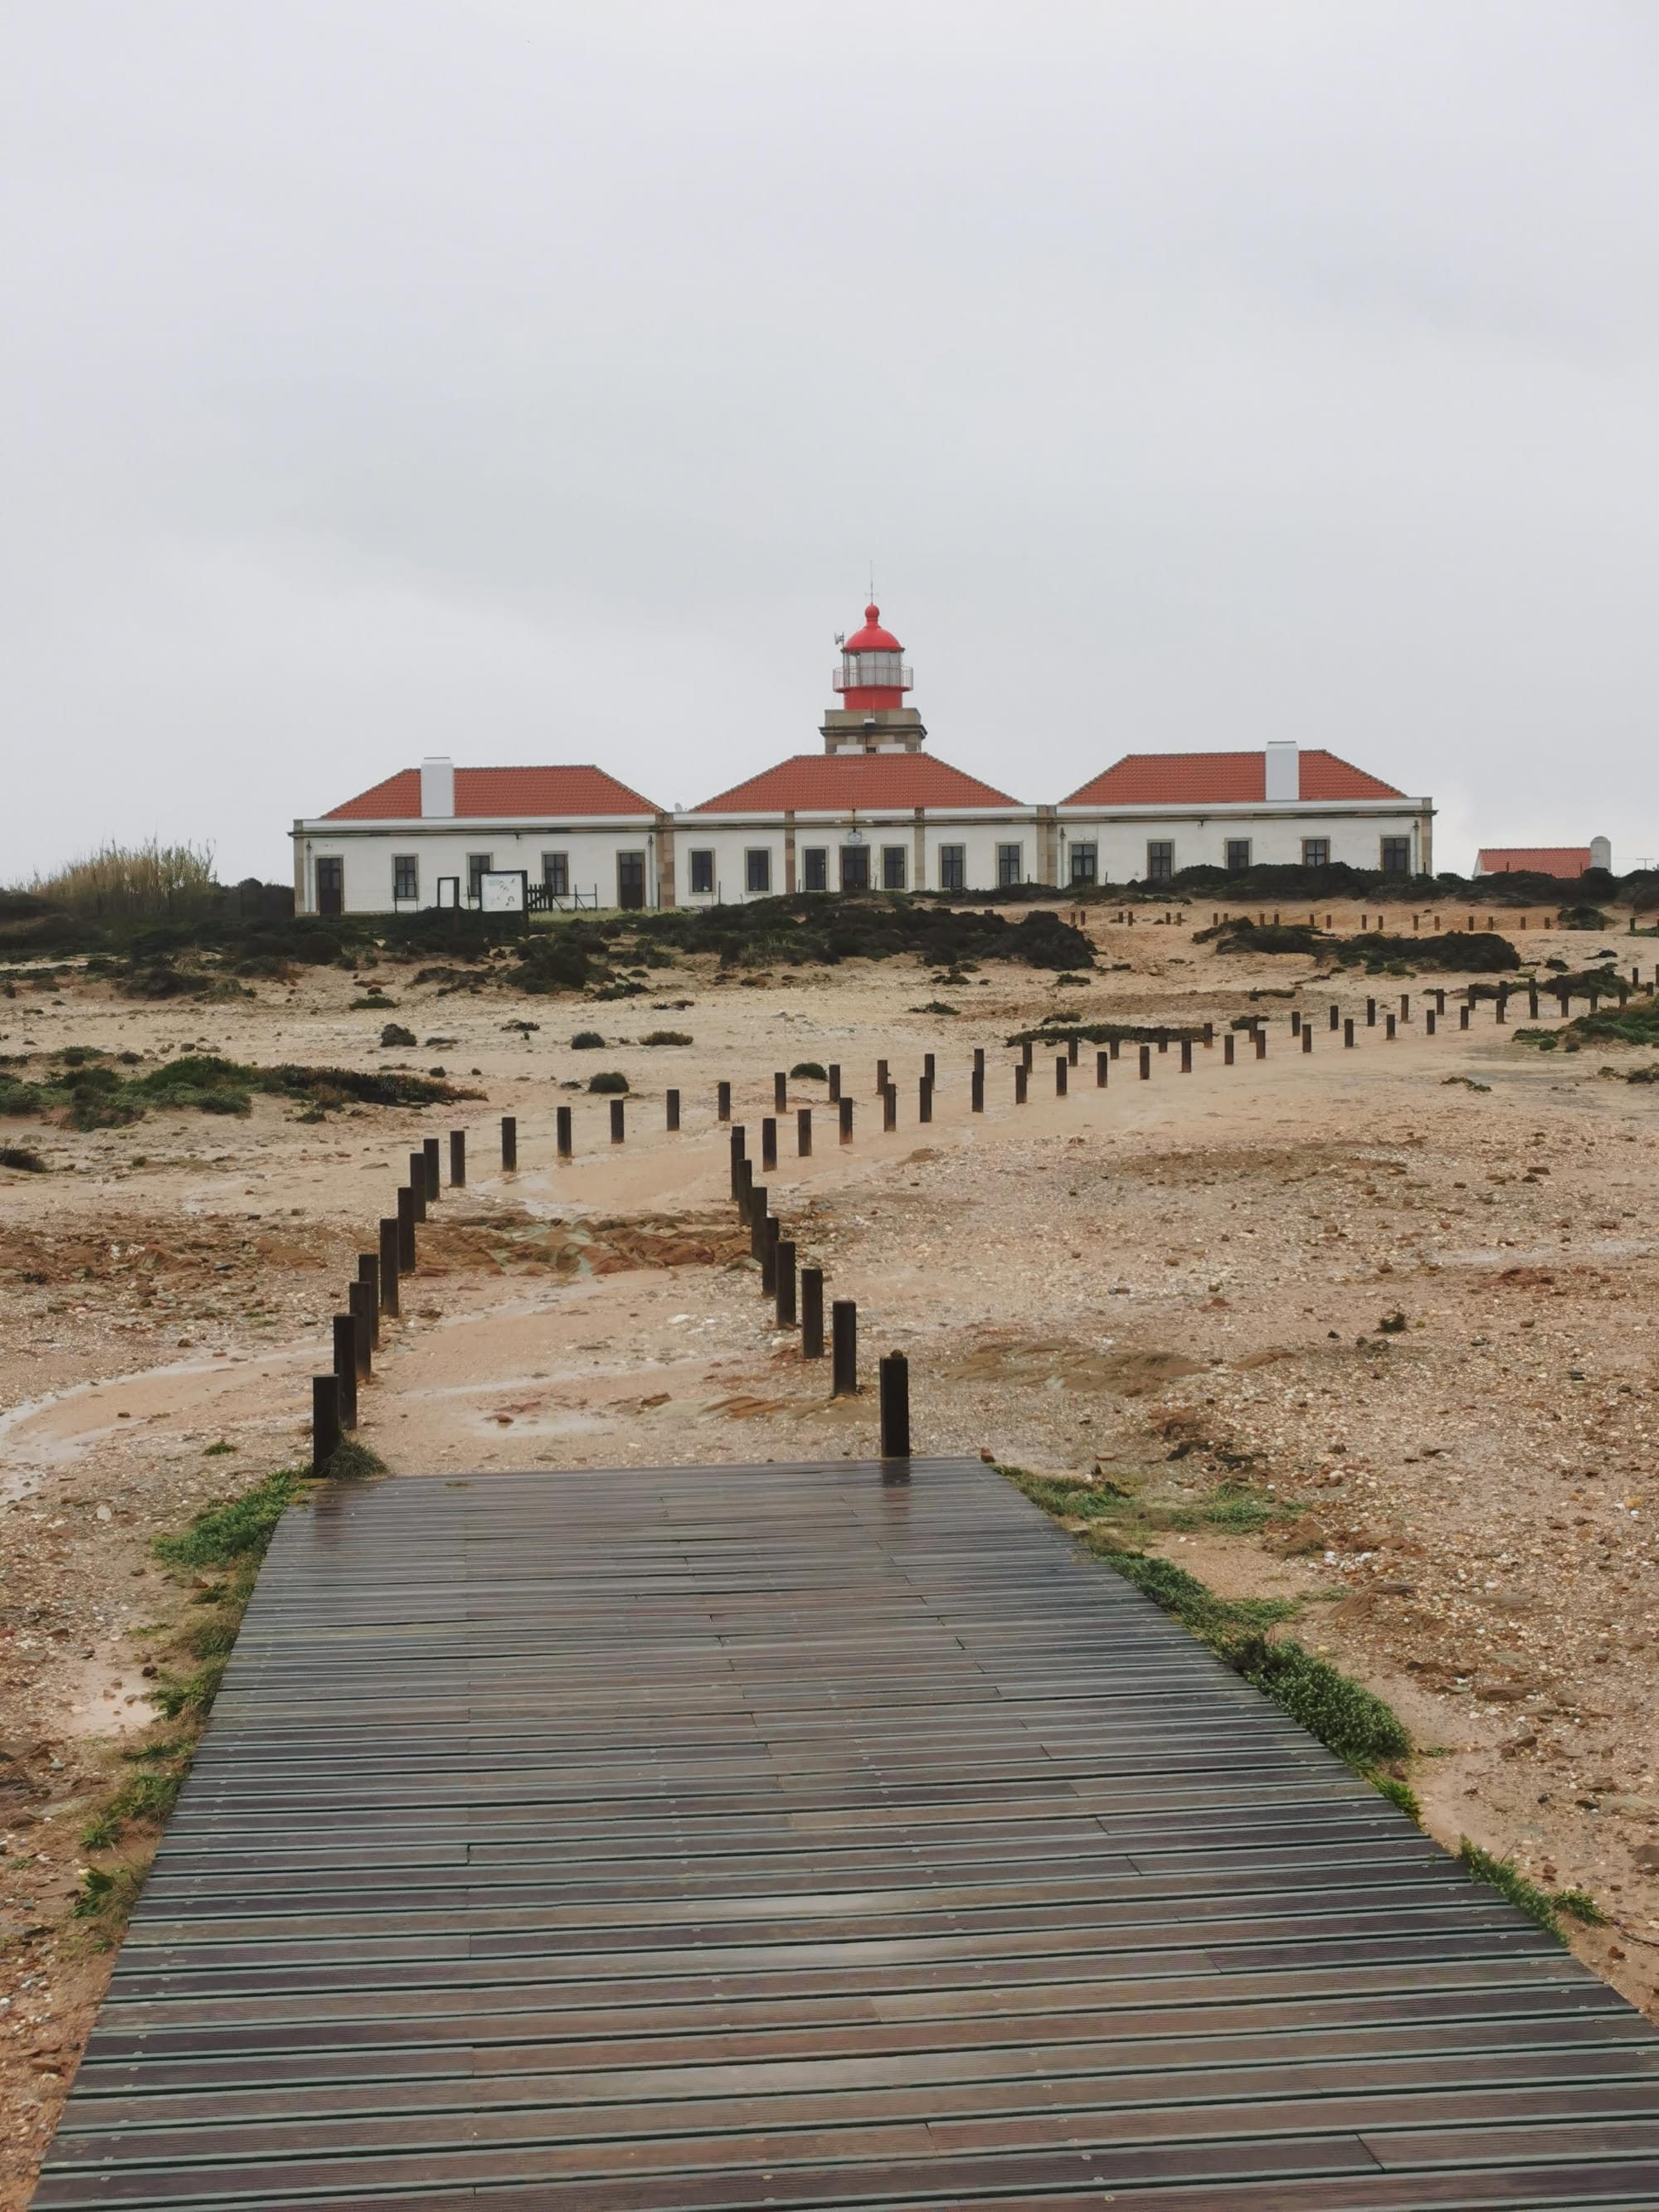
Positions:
{"x": 872, "y": 680}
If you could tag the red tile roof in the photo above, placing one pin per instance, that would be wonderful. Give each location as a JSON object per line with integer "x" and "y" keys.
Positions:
{"x": 549, "y": 794}
{"x": 1220, "y": 780}
{"x": 1537, "y": 860}
{"x": 835, "y": 783}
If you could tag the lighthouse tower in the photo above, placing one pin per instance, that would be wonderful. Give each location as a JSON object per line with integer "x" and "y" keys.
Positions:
{"x": 872, "y": 680}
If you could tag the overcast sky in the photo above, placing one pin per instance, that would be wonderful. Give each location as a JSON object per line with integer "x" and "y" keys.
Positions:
{"x": 534, "y": 382}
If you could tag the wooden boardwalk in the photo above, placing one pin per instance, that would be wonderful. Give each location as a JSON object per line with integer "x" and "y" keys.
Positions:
{"x": 804, "y": 1836}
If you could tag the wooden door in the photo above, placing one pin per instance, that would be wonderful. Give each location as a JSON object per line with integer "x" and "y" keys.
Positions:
{"x": 630, "y": 879}
{"x": 330, "y": 886}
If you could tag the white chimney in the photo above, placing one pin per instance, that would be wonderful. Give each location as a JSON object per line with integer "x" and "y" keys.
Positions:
{"x": 1601, "y": 853}
{"x": 437, "y": 788}
{"x": 1284, "y": 772}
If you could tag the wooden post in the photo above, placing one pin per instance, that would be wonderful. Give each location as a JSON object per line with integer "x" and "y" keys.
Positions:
{"x": 844, "y": 1349}
{"x": 1370, "y": 1013}
{"x": 457, "y": 1159}
{"x": 1102, "y": 1064}
{"x": 670, "y": 1110}
{"x": 368, "y": 1274}
{"x": 979, "y": 1060}
{"x": 780, "y": 1092}
{"x": 1186, "y": 1055}
{"x": 976, "y": 1090}
{"x": 1061, "y": 1066}
{"x": 1307, "y": 1037}
{"x": 417, "y": 1183}
{"x": 1501, "y": 1007}
{"x": 895, "y": 1407}
{"x": 746, "y": 1190}
{"x": 430, "y": 1152}
{"x": 1025, "y": 1055}
{"x": 1021, "y": 1079}
{"x": 1532, "y": 1001}
{"x": 1391, "y": 1032}
{"x": 325, "y": 1421}
{"x": 889, "y": 1106}
{"x": 1347, "y": 1031}
{"x": 618, "y": 1121}
{"x": 1440, "y": 1004}
{"x": 1227, "y": 1049}
{"x": 405, "y": 1231}
{"x": 1405, "y": 1005}
{"x": 1145, "y": 1063}
{"x": 768, "y": 1257}
{"x": 1336, "y": 1017}
{"x": 1462, "y": 1018}
{"x": 881, "y": 1077}
{"x": 1260, "y": 1038}
{"x": 845, "y": 1108}
{"x": 389, "y": 1266}
{"x": 929, "y": 1070}
{"x": 1071, "y": 1051}
{"x": 758, "y": 1196}
{"x": 1430, "y": 1018}
{"x": 362, "y": 1328}
{"x": 1115, "y": 1046}
{"x": 769, "y": 1141}
{"x": 509, "y": 1143}
{"x": 1295, "y": 1025}
{"x": 804, "y": 1133}
{"x": 835, "y": 1083}
{"x": 783, "y": 1281}
{"x": 925, "y": 1098}
{"x": 345, "y": 1367}
{"x": 722, "y": 1101}
{"x": 735, "y": 1147}
{"x": 562, "y": 1122}
{"x": 811, "y": 1313}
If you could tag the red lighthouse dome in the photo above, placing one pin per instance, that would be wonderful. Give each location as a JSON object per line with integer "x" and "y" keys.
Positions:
{"x": 872, "y": 674}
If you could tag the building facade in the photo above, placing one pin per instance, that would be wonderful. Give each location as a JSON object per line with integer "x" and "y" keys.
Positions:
{"x": 871, "y": 810}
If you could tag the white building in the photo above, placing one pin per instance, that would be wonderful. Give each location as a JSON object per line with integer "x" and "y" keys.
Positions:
{"x": 1150, "y": 815}
{"x": 425, "y": 836}
{"x": 871, "y": 810}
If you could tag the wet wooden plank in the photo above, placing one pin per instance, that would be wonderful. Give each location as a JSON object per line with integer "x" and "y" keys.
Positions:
{"x": 802, "y": 1836}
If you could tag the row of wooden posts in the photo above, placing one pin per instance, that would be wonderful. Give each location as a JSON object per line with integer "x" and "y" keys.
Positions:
{"x": 357, "y": 1330}
{"x": 797, "y": 1300}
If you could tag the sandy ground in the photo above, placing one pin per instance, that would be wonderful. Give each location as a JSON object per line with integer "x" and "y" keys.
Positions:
{"x": 1179, "y": 1282}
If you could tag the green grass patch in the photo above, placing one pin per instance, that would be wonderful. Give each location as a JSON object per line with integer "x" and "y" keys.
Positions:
{"x": 1349, "y": 1719}
{"x": 240, "y": 1529}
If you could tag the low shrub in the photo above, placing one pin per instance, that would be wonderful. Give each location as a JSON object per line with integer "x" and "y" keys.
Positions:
{"x": 23, "y": 1157}
{"x": 609, "y": 1080}
{"x": 394, "y": 1033}
{"x": 667, "y": 1036}
{"x": 807, "y": 1071}
{"x": 587, "y": 1041}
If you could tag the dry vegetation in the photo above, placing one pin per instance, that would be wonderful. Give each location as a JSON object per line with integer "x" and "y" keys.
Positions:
{"x": 1361, "y": 1342}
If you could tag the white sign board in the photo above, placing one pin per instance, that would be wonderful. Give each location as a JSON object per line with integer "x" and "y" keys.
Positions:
{"x": 503, "y": 891}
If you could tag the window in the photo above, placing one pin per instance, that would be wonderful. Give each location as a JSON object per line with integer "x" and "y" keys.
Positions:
{"x": 1160, "y": 860}
{"x": 1239, "y": 855}
{"x": 556, "y": 874}
{"x": 405, "y": 876}
{"x": 1085, "y": 863}
{"x": 894, "y": 873}
{"x": 1396, "y": 856}
{"x": 757, "y": 868}
{"x": 817, "y": 860}
{"x": 1009, "y": 870}
{"x": 703, "y": 874}
{"x": 1315, "y": 852}
{"x": 855, "y": 867}
{"x": 477, "y": 864}
{"x": 952, "y": 867}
